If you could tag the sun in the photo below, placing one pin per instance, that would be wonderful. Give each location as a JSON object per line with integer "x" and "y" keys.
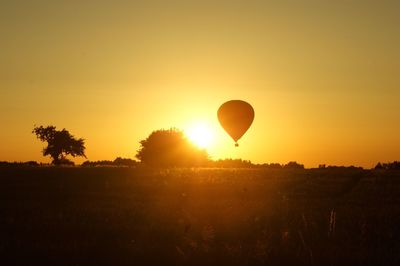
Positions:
{"x": 200, "y": 134}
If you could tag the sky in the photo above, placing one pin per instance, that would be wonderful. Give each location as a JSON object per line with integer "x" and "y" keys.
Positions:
{"x": 322, "y": 76}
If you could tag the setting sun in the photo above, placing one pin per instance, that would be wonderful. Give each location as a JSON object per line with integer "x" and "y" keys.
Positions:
{"x": 200, "y": 134}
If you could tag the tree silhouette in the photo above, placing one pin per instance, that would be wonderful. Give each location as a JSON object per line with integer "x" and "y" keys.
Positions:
{"x": 388, "y": 166}
{"x": 60, "y": 143}
{"x": 170, "y": 148}
{"x": 293, "y": 165}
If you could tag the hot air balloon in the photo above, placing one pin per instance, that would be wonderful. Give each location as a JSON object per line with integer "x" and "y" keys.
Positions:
{"x": 236, "y": 117}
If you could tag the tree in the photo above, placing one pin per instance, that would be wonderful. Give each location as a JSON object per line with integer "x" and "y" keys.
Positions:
{"x": 124, "y": 162}
{"x": 388, "y": 166}
{"x": 293, "y": 165}
{"x": 170, "y": 148}
{"x": 60, "y": 143}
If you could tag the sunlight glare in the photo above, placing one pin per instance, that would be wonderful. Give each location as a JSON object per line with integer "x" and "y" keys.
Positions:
{"x": 200, "y": 134}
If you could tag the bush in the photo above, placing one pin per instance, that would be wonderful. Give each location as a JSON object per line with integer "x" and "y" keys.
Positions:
{"x": 170, "y": 148}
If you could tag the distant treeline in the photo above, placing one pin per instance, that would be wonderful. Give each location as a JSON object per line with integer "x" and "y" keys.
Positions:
{"x": 239, "y": 163}
{"x": 221, "y": 163}
{"x": 28, "y": 163}
{"x": 163, "y": 148}
{"x": 127, "y": 162}
{"x": 388, "y": 166}
{"x": 121, "y": 162}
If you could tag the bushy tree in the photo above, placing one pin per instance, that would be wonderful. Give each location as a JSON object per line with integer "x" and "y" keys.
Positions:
{"x": 170, "y": 148}
{"x": 60, "y": 143}
{"x": 293, "y": 165}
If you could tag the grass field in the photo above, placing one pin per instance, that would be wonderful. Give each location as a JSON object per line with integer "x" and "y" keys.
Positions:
{"x": 127, "y": 216}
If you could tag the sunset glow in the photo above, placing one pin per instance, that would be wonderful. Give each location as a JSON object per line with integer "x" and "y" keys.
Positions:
{"x": 322, "y": 76}
{"x": 201, "y": 134}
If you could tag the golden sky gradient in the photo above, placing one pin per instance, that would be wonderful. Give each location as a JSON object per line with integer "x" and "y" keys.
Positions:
{"x": 322, "y": 76}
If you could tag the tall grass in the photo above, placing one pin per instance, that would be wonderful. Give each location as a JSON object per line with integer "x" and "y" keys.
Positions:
{"x": 127, "y": 216}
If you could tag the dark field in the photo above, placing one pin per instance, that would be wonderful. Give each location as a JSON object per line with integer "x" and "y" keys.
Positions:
{"x": 126, "y": 216}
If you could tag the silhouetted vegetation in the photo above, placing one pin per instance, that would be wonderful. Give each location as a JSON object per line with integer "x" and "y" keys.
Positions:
{"x": 29, "y": 163}
{"x": 125, "y": 162}
{"x": 342, "y": 167}
{"x": 230, "y": 163}
{"x": 244, "y": 214}
{"x": 97, "y": 163}
{"x": 388, "y": 166}
{"x": 64, "y": 161}
{"x": 60, "y": 143}
{"x": 293, "y": 165}
{"x": 270, "y": 165}
{"x": 170, "y": 148}
{"x": 258, "y": 216}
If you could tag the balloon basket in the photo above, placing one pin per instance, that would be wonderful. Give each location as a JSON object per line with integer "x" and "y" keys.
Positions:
{"x": 236, "y": 144}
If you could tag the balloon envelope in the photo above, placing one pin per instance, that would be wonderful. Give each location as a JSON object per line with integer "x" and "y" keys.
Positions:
{"x": 236, "y": 117}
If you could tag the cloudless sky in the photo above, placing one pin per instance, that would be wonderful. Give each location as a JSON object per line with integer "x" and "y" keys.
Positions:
{"x": 323, "y": 76}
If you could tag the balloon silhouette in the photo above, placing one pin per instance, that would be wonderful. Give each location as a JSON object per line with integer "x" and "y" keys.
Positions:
{"x": 236, "y": 117}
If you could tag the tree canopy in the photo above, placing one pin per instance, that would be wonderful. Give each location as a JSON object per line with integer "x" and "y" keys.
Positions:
{"x": 170, "y": 148}
{"x": 60, "y": 143}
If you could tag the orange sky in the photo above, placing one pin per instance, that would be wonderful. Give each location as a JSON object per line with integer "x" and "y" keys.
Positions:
{"x": 322, "y": 76}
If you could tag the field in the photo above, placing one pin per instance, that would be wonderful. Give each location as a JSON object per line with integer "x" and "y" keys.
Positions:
{"x": 128, "y": 216}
